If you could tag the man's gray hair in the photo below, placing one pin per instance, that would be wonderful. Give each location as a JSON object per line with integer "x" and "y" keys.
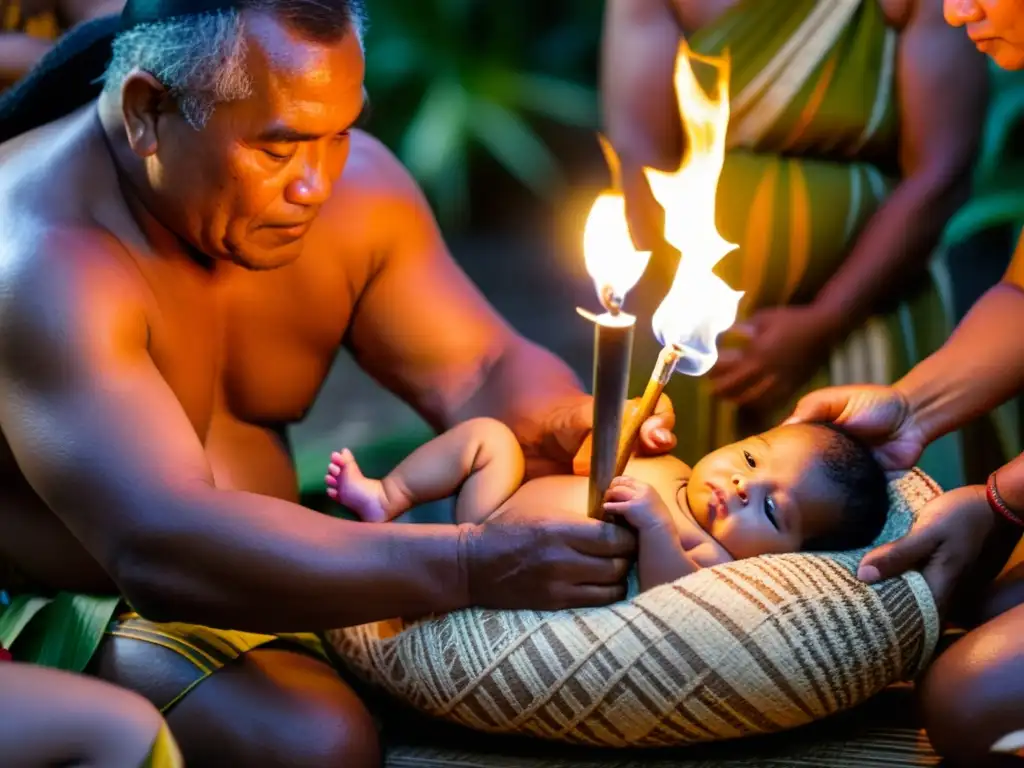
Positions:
{"x": 200, "y": 58}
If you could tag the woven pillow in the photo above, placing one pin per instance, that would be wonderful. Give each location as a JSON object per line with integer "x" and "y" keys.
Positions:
{"x": 745, "y": 648}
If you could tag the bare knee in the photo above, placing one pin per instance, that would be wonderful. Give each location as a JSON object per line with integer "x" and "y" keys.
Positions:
{"x": 321, "y": 736}
{"x": 973, "y": 695}
{"x": 56, "y": 717}
{"x": 275, "y": 708}
{"x": 494, "y": 443}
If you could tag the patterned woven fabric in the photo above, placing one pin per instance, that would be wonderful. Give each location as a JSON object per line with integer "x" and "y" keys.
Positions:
{"x": 753, "y": 647}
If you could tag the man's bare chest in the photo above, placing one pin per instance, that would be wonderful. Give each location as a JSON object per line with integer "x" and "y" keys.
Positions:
{"x": 258, "y": 350}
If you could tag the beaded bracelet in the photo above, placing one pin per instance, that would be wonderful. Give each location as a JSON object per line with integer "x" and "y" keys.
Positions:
{"x": 995, "y": 501}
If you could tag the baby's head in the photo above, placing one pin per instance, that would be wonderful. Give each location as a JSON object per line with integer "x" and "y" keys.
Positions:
{"x": 805, "y": 487}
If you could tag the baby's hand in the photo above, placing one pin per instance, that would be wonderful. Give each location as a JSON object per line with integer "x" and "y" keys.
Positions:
{"x": 638, "y": 504}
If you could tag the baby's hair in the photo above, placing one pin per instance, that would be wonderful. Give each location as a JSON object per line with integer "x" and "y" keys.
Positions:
{"x": 851, "y": 466}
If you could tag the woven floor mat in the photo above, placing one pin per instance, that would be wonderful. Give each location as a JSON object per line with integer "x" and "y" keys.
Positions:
{"x": 881, "y": 734}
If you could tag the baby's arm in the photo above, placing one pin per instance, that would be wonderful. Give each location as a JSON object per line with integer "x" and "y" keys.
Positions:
{"x": 480, "y": 459}
{"x": 709, "y": 553}
{"x": 662, "y": 559}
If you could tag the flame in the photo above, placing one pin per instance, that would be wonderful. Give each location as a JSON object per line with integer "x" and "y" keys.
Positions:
{"x": 612, "y": 260}
{"x": 699, "y": 305}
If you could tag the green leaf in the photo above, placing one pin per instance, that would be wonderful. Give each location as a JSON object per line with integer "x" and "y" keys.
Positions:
{"x": 561, "y": 100}
{"x": 65, "y": 632}
{"x": 14, "y": 617}
{"x": 433, "y": 138}
{"x": 1005, "y": 116}
{"x": 74, "y": 626}
{"x": 515, "y": 145}
{"x": 983, "y": 213}
{"x": 449, "y": 189}
{"x": 390, "y": 61}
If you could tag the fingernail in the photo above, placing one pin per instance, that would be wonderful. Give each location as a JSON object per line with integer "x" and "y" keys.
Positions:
{"x": 868, "y": 573}
{"x": 662, "y": 435}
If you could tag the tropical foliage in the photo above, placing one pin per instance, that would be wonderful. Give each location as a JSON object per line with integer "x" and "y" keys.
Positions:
{"x": 451, "y": 81}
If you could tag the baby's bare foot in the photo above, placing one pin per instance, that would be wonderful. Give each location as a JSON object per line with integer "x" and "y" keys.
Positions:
{"x": 347, "y": 485}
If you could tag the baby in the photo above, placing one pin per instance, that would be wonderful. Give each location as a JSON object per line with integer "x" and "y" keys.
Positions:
{"x": 806, "y": 487}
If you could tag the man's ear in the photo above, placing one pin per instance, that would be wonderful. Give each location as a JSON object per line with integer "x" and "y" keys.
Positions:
{"x": 143, "y": 100}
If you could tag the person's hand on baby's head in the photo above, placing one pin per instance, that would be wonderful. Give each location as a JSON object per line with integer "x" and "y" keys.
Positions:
{"x": 638, "y": 504}
{"x": 880, "y": 415}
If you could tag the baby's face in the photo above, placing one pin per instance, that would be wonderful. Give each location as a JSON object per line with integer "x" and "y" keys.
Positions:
{"x": 766, "y": 494}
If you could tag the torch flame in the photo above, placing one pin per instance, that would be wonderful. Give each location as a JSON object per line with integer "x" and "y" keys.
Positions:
{"x": 612, "y": 260}
{"x": 699, "y": 305}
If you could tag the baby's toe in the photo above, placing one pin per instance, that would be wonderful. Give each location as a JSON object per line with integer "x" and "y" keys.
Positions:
{"x": 331, "y": 480}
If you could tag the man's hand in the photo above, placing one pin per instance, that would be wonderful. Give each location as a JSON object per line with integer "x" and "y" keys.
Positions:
{"x": 946, "y": 540}
{"x": 879, "y": 415}
{"x": 546, "y": 561}
{"x": 656, "y": 436}
{"x": 782, "y": 346}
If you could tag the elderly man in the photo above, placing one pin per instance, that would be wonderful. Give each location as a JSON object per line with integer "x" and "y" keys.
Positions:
{"x": 181, "y": 262}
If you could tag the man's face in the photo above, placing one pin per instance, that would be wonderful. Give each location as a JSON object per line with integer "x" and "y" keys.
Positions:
{"x": 247, "y": 186}
{"x": 766, "y": 494}
{"x": 995, "y": 26}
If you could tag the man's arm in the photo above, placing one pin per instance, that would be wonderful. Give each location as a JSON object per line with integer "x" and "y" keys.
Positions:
{"x": 18, "y": 54}
{"x": 426, "y": 332}
{"x": 104, "y": 442}
{"x": 942, "y": 84}
{"x": 74, "y": 12}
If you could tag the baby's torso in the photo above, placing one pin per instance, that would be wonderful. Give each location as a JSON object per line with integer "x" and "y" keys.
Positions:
{"x": 569, "y": 492}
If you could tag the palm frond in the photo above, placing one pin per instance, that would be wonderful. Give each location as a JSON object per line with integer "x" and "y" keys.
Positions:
{"x": 515, "y": 145}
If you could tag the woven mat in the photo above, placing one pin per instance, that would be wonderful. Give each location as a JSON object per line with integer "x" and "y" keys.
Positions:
{"x": 880, "y": 734}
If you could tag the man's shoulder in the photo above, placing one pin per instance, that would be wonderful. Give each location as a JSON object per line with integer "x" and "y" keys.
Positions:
{"x": 375, "y": 207}
{"x": 374, "y": 177}
{"x": 54, "y": 272}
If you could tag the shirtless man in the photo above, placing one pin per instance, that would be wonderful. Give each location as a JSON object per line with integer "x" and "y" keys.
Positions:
{"x": 181, "y": 261}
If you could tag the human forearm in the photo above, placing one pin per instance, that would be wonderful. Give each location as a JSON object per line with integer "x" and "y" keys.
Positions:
{"x": 260, "y": 564}
{"x": 662, "y": 559}
{"x": 890, "y": 254}
{"x": 980, "y": 366}
{"x": 1005, "y": 536}
{"x": 639, "y": 46}
{"x": 1010, "y": 483}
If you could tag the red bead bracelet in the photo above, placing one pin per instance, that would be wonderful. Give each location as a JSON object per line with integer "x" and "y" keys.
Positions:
{"x": 998, "y": 505}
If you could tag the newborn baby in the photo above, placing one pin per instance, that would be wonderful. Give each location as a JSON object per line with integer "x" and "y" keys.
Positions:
{"x": 805, "y": 487}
